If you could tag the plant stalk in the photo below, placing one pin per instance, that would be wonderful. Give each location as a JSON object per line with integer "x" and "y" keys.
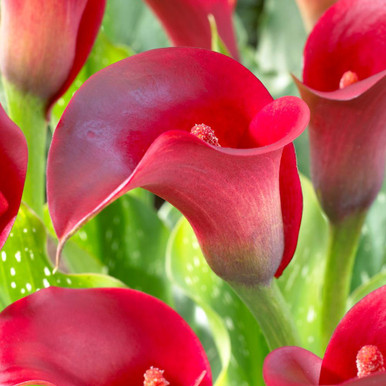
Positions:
{"x": 271, "y": 312}
{"x": 344, "y": 241}
{"x": 28, "y": 112}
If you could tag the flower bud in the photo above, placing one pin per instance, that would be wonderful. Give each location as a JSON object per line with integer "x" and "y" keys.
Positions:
{"x": 44, "y": 44}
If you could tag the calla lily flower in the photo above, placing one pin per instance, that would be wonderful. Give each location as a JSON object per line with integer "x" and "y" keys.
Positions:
{"x": 312, "y": 10}
{"x": 187, "y": 24}
{"x": 44, "y": 44}
{"x": 109, "y": 336}
{"x": 13, "y": 168}
{"x": 344, "y": 84}
{"x": 356, "y": 354}
{"x": 130, "y": 126}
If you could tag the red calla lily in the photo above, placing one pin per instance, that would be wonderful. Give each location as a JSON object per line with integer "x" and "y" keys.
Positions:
{"x": 347, "y": 128}
{"x": 104, "y": 336}
{"x": 44, "y": 44}
{"x": 356, "y": 354}
{"x": 187, "y": 24}
{"x": 311, "y": 10}
{"x": 13, "y": 168}
{"x": 129, "y": 126}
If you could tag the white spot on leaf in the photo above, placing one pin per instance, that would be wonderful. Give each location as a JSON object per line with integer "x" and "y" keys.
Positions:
{"x": 46, "y": 283}
{"x": 18, "y": 256}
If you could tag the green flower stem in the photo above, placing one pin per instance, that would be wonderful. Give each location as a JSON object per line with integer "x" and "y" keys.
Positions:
{"x": 28, "y": 112}
{"x": 217, "y": 44}
{"x": 271, "y": 312}
{"x": 344, "y": 240}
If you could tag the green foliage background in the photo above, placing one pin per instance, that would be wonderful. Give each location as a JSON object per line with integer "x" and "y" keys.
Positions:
{"x": 132, "y": 243}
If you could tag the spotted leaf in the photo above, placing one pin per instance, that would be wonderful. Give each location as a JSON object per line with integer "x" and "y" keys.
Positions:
{"x": 126, "y": 240}
{"x": 25, "y": 266}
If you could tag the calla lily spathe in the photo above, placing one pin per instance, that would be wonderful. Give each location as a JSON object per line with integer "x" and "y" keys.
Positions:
{"x": 129, "y": 126}
{"x": 362, "y": 330}
{"x": 344, "y": 84}
{"x": 104, "y": 336}
{"x": 44, "y": 44}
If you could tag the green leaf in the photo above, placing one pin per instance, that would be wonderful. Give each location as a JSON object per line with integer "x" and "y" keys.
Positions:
{"x": 78, "y": 255}
{"x": 126, "y": 240}
{"x": 302, "y": 281}
{"x": 248, "y": 14}
{"x": 237, "y": 336}
{"x": 132, "y": 23}
{"x": 143, "y": 195}
{"x": 122, "y": 19}
{"x": 375, "y": 282}
{"x": 169, "y": 215}
{"x": 26, "y": 268}
{"x": 371, "y": 254}
{"x": 132, "y": 244}
{"x": 281, "y": 37}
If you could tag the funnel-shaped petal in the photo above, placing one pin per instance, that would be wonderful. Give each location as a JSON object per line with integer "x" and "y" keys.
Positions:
{"x": 347, "y": 128}
{"x": 129, "y": 126}
{"x": 106, "y": 336}
{"x": 187, "y": 24}
{"x": 13, "y": 168}
{"x": 44, "y": 44}
{"x": 363, "y": 326}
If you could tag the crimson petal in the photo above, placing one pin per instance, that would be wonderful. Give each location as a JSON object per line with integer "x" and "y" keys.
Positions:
{"x": 347, "y": 130}
{"x": 291, "y": 366}
{"x": 13, "y": 168}
{"x": 87, "y": 32}
{"x": 96, "y": 337}
{"x": 186, "y": 21}
{"x": 363, "y": 325}
{"x": 136, "y": 133}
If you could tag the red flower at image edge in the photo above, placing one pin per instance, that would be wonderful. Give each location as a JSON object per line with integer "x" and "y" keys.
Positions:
{"x": 187, "y": 24}
{"x": 104, "y": 336}
{"x": 311, "y": 10}
{"x": 44, "y": 44}
{"x": 129, "y": 126}
{"x": 13, "y": 169}
{"x": 356, "y": 354}
{"x": 344, "y": 84}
